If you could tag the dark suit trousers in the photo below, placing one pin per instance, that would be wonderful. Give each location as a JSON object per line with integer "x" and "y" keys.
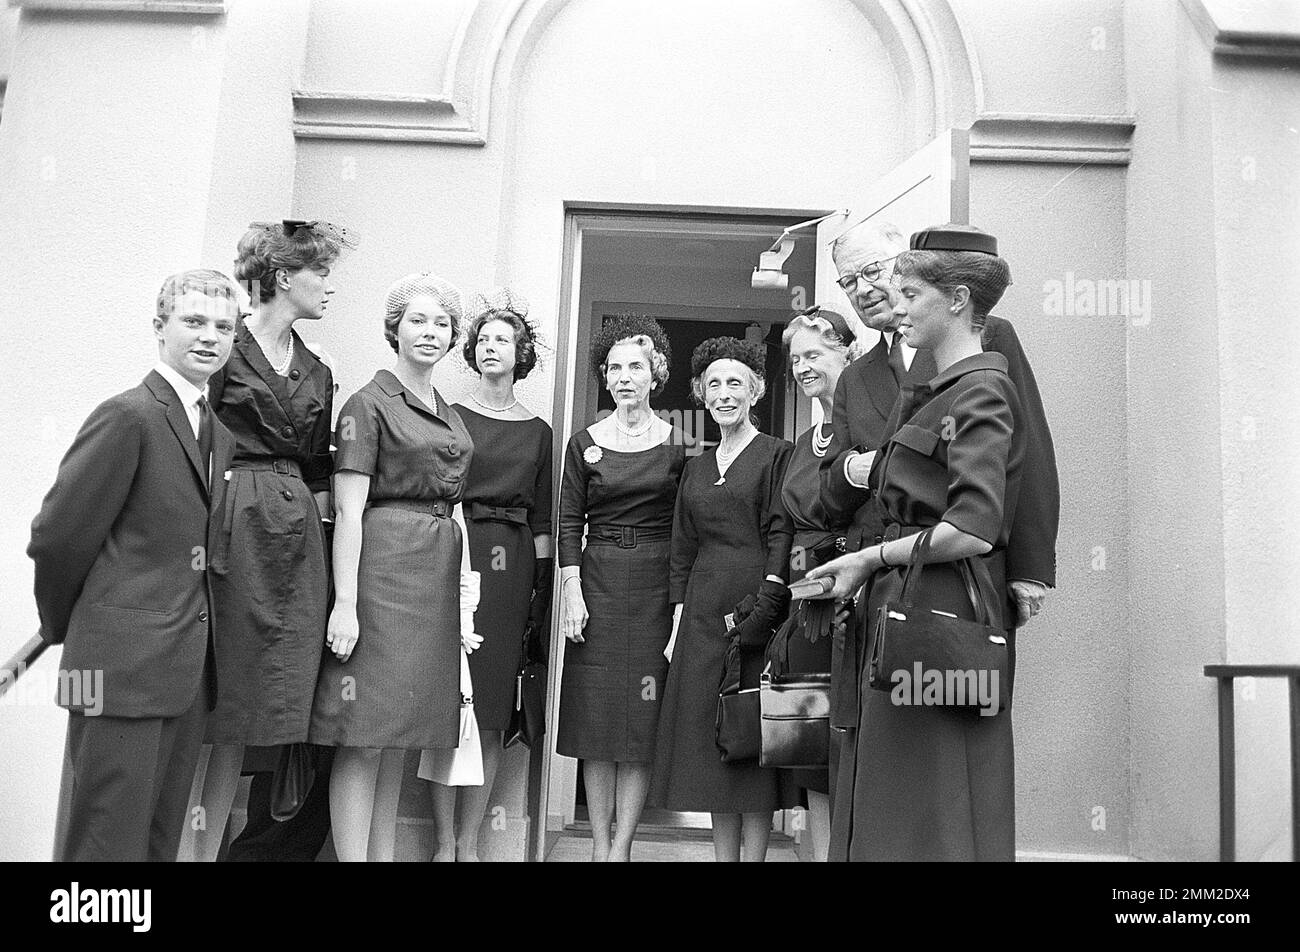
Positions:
{"x": 131, "y": 782}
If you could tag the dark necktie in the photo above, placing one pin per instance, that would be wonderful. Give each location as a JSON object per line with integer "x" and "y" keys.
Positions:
{"x": 205, "y": 439}
{"x": 896, "y": 363}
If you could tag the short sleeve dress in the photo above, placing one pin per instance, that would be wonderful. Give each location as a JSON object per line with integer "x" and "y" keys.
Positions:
{"x": 931, "y": 783}
{"x": 729, "y": 533}
{"x": 269, "y": 568}
{"x": 507, "y": 501}
{"x": 401, "y": 686}
{"x": 614, "y": 680}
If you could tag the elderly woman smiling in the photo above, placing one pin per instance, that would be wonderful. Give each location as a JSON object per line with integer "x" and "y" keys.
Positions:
{"x": 620, "y": 482}
{"x": 731, "y": 543}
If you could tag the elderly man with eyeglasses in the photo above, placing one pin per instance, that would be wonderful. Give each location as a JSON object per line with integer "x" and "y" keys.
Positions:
{"x": 865, "y": 396}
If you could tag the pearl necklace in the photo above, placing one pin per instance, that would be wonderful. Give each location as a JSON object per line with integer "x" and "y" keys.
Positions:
{"x": 632, "y": 435}
{"x": 433, "y": 400}
{"x": 725, "y": 458}
{"x": 513, "y": 403}
{"x": 820, "y": 444}
{"x": 281, "y": 368}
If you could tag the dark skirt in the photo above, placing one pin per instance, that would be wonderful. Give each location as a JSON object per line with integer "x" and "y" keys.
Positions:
{"x": 689, "y": 774}
{"x": 270, "y": 587}
{"x": 503, "y": 555}
{"x": 613, "y": 682}
{"x": 924, "y": 783}
{"x": 401, "y": 686}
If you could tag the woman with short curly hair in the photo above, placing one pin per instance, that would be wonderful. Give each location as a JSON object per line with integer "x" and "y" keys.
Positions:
{"x": 730, "y": 556}
{"x": 619, "y": 484}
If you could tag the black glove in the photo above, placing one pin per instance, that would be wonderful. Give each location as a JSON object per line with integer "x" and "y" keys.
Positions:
{"x": 744, "y": 608}
{"x": 769, "y": 609}
{"x": 539, "y": 608}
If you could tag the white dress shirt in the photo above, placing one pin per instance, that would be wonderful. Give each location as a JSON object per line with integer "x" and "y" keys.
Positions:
{"x": 189, "y": 394}
{"x": 908, "y": 350}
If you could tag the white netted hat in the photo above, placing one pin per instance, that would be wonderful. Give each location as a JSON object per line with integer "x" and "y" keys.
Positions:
{"x": 402, "y": 290}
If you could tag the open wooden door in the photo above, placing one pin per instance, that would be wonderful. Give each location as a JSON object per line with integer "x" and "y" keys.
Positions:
{"x": 930, "y": 188}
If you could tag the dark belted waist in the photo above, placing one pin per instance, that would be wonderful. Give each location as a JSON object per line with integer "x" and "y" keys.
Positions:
{"x": 283, "y": 466}
{"x": 515, "y": 515}
{"x": 625, "y": 537}
{"x": 431, "y": 507}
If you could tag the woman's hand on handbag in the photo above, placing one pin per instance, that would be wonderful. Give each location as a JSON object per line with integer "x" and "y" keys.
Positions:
{"x": 574, "y": 609}
{"x": 343, "y": 631}
{"x": 850, "y": 572}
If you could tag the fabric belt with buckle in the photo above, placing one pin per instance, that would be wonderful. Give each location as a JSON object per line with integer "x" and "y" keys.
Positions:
{"x": 285, "y": 467}
{"x": 625, "y": 537}
{"x": 515, "y": 515}
{"x": 432, "y": 507}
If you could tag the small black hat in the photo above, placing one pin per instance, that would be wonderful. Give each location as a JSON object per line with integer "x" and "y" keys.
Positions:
{"x": 951, "y": 239}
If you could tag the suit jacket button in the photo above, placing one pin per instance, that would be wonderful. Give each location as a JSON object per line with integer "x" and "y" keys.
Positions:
{"x": 295, "y": 374}
{"x": 286, "y": 432}
{"x": 287, "y": 494}
{"x": 453, "y": 449}
{"x": 203, "y": 616}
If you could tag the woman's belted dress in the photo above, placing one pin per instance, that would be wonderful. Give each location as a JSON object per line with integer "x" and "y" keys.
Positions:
{"x": 400, "y": 688}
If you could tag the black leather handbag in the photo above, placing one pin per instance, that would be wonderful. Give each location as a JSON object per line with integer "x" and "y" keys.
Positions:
{"x": 295, "y": 772}
{"x": 528, "y": 719}
{"x": 738, "y": 719}
{"x": 933, "y": 657}
{"x": 795, "y": 721}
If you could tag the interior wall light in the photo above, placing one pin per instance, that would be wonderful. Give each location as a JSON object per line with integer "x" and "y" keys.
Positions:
{"x": 771, "y": 263}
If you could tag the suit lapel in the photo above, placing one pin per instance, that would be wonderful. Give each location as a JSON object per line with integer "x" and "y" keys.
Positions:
{"x": 180, "y": 424}
{"x": 881, "y": 386}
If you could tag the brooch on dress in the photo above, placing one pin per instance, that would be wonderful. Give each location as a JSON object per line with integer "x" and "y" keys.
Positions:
{"x": 592, "y": 454}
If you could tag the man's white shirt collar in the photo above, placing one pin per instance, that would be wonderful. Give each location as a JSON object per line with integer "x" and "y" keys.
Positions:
{"x": 188, "y": 393}
{"x": 892, "y": 337}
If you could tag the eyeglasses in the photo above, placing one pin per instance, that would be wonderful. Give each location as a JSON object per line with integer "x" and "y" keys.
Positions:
{"x": 868, "y": 272}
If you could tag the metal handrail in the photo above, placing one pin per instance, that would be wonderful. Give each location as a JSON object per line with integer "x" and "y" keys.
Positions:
{"x": 24, "y": 659}
{"x": 1226, "y": 675}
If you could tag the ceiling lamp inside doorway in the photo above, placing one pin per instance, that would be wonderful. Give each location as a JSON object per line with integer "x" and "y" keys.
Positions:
{"x": 770, "y": 272}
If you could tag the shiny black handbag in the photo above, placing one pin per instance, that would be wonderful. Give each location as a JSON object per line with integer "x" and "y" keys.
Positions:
{"x": 737, "y": 727}
{"x": 795, "y": 707}
{"x": 925, "y": 656}
{"x": 528, "y": 718}
{"x": 295, "y": 772}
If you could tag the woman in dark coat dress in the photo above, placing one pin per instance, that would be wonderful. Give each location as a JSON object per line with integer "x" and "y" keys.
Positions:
{"x": 619, "y": 484}
{"x": 731, "y": 544}
{"x": 270, "y": 576}
{"x": 508, "y": 515}
{"x": 817, "y": 346}
{"x": 404, "y": 591}
{"x": 938, "y": 782}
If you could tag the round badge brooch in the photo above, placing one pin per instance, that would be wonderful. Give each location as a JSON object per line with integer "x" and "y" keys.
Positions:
{"x": 592, "y": 454}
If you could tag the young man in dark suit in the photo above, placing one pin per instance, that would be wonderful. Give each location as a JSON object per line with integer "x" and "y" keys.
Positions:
{"x": 120, "y": 547}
